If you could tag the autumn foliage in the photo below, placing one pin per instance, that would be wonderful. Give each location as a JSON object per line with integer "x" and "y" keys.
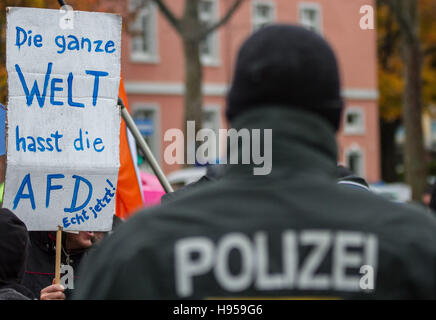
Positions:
{"x": 390, "y": 72}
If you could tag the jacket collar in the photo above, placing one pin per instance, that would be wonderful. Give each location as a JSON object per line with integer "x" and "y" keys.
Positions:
{"x": 302, "y": 142}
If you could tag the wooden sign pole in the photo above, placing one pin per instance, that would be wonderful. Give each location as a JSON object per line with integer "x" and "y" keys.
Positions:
{"x": 58, "y": 255}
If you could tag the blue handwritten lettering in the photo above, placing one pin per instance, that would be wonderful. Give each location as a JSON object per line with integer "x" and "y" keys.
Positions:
{"x": 73, "y": 207}
{"x": 70, "y": 93}
{"x": 21, "y": 195}
{"x": 97, "y": 75}
{"x": 52, "y": 187}
{"x": 53, "y": 90}
{"x": 35, "y": 89}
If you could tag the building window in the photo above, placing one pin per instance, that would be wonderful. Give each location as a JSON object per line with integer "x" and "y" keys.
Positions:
{"x": 146, "y": 117}
{"x": 144, "y": 33}
{"x": 263, "y": 14}
{"x": 354, "y": 159}
{"x": 310, "y": 16}
{"x": 400, "y": 135}
{"x": 354, "y": 121}
{"x": 208, "y": 13}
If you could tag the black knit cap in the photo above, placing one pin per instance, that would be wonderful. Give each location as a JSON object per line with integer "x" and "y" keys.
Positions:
{"x": 288, "y": 66}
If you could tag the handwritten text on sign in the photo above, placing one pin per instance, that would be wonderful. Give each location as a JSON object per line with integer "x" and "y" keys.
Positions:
{"x": 63, "y": 119}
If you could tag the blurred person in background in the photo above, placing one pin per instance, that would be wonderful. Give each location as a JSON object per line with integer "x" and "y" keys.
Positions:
{"x": 2, "y": 177}
{"x": 427, "y": 195}
{"x": 432, "y": 204}
{"x": 40, "y": 269}
{"x": 14, "y": 242}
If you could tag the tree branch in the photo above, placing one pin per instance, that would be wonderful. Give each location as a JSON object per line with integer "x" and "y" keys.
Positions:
{"x": 223, "y": 20}
{"x": 175, "y": 22}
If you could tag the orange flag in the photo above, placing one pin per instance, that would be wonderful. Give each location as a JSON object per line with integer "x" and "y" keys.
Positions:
{"x": 129, "y": 190}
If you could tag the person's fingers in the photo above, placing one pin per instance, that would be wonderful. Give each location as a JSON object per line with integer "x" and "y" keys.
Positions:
{"x": 53, "y": 292}
{"x": 53, "y": 288}
{"x": 58, "y": 295}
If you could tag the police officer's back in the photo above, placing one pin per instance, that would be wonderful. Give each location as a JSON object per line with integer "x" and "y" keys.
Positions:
{"x": 291, "y": 233}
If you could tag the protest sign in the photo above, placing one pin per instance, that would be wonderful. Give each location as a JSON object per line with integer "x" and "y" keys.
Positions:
{"x": 63, "y": 118}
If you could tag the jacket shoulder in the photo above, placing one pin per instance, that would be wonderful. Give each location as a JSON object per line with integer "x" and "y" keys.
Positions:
{"x": 11, "y": 294}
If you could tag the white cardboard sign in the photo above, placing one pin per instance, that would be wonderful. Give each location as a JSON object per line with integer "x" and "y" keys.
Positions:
{"x": 63, "y": 118}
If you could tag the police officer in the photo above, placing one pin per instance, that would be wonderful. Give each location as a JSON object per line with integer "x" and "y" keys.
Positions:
{"x": 293, "y": 232}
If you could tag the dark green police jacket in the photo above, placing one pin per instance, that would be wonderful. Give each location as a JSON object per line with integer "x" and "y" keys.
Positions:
{"x": 292, "y": 233}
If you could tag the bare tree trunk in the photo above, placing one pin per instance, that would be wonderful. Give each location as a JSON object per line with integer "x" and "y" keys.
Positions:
{"x": 406, "y": 13}
{"x": 415, "y": 165}
{"x": 193, "y": 88}
{"x": 193, "y": 32}
{"x": 193, "y": 98}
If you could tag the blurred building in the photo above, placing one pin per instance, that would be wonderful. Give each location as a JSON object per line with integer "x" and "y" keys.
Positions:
{"x": 153, "y": 69}
{"x": 429, "y": 136}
